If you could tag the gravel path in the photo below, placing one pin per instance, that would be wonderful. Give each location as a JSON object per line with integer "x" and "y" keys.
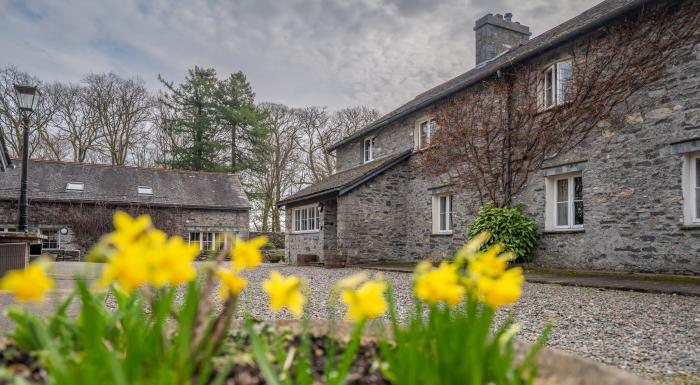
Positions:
{"x": 654, "y": 335}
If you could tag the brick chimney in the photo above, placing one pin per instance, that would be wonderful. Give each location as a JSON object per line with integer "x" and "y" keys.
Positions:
{"x": 496, "y": 34}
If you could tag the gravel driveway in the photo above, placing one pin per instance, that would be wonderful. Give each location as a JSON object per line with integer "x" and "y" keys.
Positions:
{"x": 654, "y": 335}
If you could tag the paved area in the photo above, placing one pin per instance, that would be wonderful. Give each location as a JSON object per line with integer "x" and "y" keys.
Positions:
{"x": 654, "y": 335}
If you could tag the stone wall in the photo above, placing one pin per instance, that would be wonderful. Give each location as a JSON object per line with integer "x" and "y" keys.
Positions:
{"x": 317, "y": 243}
{"x": 372, "y": 218}
{"x": 85, "y": 223}
{"x": 392, "y": 139}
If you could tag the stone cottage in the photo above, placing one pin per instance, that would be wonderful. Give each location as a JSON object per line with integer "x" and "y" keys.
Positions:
{"x": 626, "y": 200}
{"x": 73, "y": 203}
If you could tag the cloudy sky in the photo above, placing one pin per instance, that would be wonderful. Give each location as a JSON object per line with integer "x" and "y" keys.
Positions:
{"x": 336, "y": 53}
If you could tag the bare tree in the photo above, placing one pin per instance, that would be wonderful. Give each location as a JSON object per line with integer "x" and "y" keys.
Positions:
{"x": 122, "y": 108}
{"x": 280, "y": 175}
{"x": 491, "y": 138}
{"x": 10, "y": 122}
{"x": 321, "y": 128}
{"x": 76, "y": 121}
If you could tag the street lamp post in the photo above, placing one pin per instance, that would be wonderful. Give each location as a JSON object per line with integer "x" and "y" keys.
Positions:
{"x": 28, "y": 97}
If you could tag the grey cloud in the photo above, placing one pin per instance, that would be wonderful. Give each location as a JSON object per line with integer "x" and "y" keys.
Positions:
{"x": 379, "y": 53}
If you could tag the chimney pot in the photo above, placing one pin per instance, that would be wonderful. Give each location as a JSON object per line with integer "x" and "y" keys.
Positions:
{"x": 509, "y": 17}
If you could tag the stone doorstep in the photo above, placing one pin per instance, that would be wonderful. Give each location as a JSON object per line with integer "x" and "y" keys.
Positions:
{"x": 645, "y": 283}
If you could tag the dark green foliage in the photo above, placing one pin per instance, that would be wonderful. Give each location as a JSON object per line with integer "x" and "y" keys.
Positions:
{"x": 241, "y": 122}
{"x": 193, "y": 105}
{"x": 214, "y": 123}
{"x": 510, "y": 227}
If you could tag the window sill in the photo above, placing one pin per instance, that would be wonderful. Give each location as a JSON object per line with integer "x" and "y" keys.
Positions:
{"x": 305, "y": 232}
{"x": 442, "y": 233}
{"x": 564, "y": 231}
{"x": 691, "y": 227}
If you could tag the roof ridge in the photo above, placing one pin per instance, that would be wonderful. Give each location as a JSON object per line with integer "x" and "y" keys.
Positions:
{"x": 107, "y": 165}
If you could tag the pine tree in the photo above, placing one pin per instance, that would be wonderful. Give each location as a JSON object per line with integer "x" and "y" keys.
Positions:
{"x": 241, "y": 121}
{"x": 193, "y": 107}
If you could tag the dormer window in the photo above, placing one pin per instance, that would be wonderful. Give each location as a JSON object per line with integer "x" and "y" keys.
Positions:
{"x": 556, "y": 84}
{"x": 75, "y": 186}
{"x": 145, "y": 190}
{"x": 368, "y": 149}
{"x": 426, "y": 129}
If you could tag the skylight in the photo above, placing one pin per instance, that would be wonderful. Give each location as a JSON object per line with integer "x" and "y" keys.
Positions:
{"x": 145, "y": 190}
{"x": 75, "y": 186}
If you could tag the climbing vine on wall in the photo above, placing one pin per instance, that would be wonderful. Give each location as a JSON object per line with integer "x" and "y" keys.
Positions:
{"x": 88, "y": 221}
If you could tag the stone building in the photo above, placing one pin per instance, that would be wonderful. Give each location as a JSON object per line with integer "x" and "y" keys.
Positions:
{"x": 73, "y": 203}
{"x": 629, "y": 199}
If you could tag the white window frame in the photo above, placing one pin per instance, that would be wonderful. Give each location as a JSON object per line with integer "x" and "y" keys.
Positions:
{"x": 431, "y": 124}
{"x": 553, "y": 73}
{"x": 306, "y": 219}
{"x": 58, "y": 237}
{"x": 439, "y": 213}
{"x": 216, "y": 239}
{"x": 691, "y": 189}
{"x": 552, "y": 202}
{"x": 368, "y": 152}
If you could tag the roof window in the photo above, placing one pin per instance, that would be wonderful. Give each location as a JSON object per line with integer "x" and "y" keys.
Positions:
{"x": 145, "y": 190}
{"x": 75, "y": 186}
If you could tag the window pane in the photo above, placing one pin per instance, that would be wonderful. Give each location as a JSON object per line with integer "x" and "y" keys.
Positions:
{"x": 563, "y": 214}
{"x": 548, "y": 88}
{"x": 194, "y": 239}
{"x": 578, "y": 188}
{"x": 51, "y": 241}
{"x": 207, "y": 241}
{"x": 578, "y": 213}
{"x": 423, "y": 134}
{"x": 368, "y": 149}
{"x": 563, "y": 190}
{"x": 318, "y": 218}
{"x": 564, "y": 80}
{"x": 449, "y": 213}
{"x": 697, "y": 188}
{"x": 303, "y": 220}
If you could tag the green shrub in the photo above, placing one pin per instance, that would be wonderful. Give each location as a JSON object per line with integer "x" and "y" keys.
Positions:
{"x": 510, "y": 227}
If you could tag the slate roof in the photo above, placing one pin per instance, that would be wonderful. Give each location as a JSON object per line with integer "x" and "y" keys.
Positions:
{"x": 118, "y": 185}
{"x": 345, "y": 181}
{"x": 585, "y": 22}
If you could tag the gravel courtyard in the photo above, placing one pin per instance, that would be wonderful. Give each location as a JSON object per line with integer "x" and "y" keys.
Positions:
{"x": 654, "y": 335}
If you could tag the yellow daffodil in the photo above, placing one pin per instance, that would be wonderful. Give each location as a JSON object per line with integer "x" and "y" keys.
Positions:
{"x": 468, "y": 251}
{"x": 285, "y": 292}
{"x": 489, "y": 263}
{"x": 129, "y": 267}
{"x": 247, "y": 254}
{"x": 502, "y": 290}
{"x": 440, "y": 285}
{"x": 231, "y": 283}
{"x": 128, "y": 229}
{"x": 352, "y": 281}
{"x": 30, "y": 284}
{"x": 366, "y": 302}
{"x": 172, "y": 263}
